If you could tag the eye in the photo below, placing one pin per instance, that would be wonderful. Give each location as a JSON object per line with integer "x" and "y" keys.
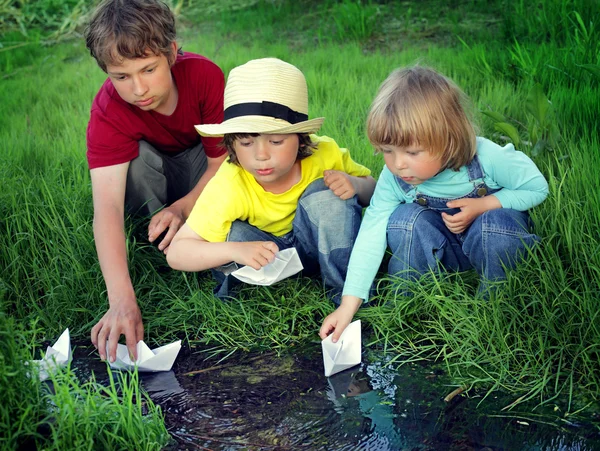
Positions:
{"x": 149, "y": 71}
{"x": 387, "y": 151}
{"x": 276, "y": 143}
{"x": 245, "y": 143}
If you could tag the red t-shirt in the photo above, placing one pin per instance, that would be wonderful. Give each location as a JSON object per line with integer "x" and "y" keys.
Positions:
{"x": 115, "y": 126}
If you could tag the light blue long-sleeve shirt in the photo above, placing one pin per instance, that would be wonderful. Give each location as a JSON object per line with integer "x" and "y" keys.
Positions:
{"x": 522, "y": 186}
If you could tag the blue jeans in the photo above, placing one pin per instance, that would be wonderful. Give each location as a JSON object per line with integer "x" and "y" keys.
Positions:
{"x": 420, "y": 242}
{"x": 323, "y": 232}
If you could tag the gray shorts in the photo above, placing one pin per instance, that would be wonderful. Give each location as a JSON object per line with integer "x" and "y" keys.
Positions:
{"x": 156, "y": 179}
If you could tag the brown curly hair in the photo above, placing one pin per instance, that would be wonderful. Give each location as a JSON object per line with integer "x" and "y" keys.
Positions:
{"x": 128, "y": 29}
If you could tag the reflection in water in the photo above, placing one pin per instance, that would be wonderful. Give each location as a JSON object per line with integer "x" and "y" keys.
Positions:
{"x": 265, "y": 402}
{"x": 373, "y": 400}
{"x": 162, "y": 385}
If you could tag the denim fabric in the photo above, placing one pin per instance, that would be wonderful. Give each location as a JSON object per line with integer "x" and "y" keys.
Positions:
{"x": 323, "y": 232}
{"x": 420, "y": 241}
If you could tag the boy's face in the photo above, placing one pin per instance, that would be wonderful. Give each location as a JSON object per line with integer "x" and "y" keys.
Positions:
{"x": 146, "y": 82}
{"x": 271, "y": 159}
{"x": 413, "y": 164}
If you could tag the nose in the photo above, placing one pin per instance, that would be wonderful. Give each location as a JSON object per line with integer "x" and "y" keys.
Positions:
{"x": 139, "y": 86}
{"x": 399, "y": 161}
{"x": 261, "y": 153}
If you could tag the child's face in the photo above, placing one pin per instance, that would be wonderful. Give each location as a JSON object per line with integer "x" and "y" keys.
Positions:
{"x": 271, "y": 159}
{"x": 146, "y": 83}
{"x": 413, "y": 164}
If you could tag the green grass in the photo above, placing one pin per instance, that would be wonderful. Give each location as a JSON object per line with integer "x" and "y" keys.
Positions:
{"x": 73, "y": 414}
{"x": 90, "y": 416}
{"x": 22, "y": 401}
{"x": 539, "y": 336}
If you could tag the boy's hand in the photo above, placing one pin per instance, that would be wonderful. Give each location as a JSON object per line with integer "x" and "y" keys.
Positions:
{"x": 168, "y": 218}
{"x": 470, "y": 209}
{"x": 337, "y": 321}
{"x": 123, "y": 318}
{"x": 340, "y": 183}
{"x": 255, "y": 254}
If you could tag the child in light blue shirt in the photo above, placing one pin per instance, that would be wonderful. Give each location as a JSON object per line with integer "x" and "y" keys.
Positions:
{"x": 444, "y": 198}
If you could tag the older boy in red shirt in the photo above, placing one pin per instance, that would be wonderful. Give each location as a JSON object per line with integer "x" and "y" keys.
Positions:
{"x": 142, "y": 149}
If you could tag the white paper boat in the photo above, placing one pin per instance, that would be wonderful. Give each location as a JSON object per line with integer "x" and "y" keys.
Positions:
{"x": 57, "y": 355}
{"x": 344, "y": 354}
{"x": 150, "y": 360}
{"x": 286, "y": 264}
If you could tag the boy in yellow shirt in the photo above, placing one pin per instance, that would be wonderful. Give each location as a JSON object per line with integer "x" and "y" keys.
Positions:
{"x": 281, "y": 187}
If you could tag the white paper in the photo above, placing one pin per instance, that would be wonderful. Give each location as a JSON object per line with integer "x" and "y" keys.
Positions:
{"x": 150, "y": 360}
{"x": 286, "y": 264}
{"x": 344, "y": 354}
{"x": 57, "y": 355}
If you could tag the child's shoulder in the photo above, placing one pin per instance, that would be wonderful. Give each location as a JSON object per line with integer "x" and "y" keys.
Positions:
{"x": 229, "y": 172}
{"x": 489, "y": 147}
{"x": 229, "y": 180}
{"x": 192, "y": 63}
{"x": 107, "y": 101}
{"x": 326, "y": 144}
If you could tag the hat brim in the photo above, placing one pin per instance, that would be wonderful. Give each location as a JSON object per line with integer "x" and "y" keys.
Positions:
{"x": 259, "y": 124}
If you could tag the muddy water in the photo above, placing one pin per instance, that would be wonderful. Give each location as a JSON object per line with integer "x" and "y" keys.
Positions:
{"x": 269, "y": 402}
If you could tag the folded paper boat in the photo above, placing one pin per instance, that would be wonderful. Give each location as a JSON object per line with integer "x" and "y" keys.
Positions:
{"x": 344, "y": 354}
{"x": 149, "y": 360}
{"x": 57, "y": 355}
{"x": 286, "y": 264}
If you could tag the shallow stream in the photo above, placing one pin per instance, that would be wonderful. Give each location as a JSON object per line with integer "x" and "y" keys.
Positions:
{"x": 270, "y": 402}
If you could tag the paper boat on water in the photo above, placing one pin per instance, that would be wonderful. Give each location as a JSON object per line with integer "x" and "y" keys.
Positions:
{"x": 344, "y": 354}
{"x": 286, "y": 264}
{"x": 150, "y": 360}
{"x": 57, "y": 355}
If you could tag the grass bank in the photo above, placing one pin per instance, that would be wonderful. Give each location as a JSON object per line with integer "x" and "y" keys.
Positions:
{"x": 532, "y": 72}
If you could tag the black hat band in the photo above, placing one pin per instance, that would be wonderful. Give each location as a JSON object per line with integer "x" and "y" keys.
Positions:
{"x": 270, "y": 109}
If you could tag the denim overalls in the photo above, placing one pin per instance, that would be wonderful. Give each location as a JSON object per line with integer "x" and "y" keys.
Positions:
{"x": 420, "y": 241}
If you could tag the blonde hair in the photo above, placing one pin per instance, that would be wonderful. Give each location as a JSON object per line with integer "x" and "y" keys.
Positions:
{"x": 418, "y": 106}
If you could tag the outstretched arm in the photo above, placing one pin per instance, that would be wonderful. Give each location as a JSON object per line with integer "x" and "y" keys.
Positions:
{"x": 335, "y": 323}
{"x": 190, "y": 252}
{"x": 123, "y": 315}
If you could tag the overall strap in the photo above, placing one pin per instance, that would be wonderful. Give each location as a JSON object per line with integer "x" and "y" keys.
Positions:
{"x": 474, "y": 169}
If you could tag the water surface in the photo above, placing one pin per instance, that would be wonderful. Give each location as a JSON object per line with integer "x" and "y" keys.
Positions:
{"x": 270, "y": 402}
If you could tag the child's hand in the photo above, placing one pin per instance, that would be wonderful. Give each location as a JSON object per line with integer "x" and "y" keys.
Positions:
{"x": 470, "y": 209}
{"x": 255, "y": 254}
{"x": 337, "y": 321}
{"x": 340, "y": 183}
{"x": 170, "y": 218}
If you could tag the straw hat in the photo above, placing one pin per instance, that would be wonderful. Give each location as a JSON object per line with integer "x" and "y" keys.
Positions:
{"x": 267, "y": 96}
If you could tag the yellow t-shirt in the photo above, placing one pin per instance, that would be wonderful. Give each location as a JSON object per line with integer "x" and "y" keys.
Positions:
{"x": 234, "y": 194}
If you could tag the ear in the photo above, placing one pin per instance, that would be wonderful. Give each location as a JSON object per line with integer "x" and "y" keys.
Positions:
{"x": 173, "y": 53}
